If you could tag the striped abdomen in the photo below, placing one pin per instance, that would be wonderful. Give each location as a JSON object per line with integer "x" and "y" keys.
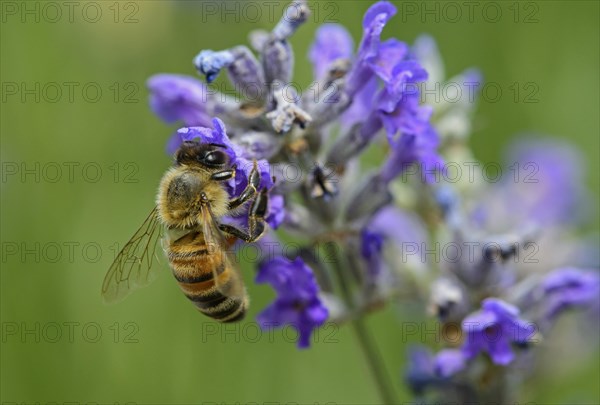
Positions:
{"x": 193, "y": 263}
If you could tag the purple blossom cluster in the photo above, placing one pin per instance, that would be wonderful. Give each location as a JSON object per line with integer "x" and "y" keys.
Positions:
{"x": 360, "y": 215}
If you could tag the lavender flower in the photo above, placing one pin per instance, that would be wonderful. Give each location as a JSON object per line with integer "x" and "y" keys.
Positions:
{"x": 552, "y": 172}
{"x": 426, "y": 370}
{"x": 493, "y": 329}
{"x": 297, "y": 302}
{"x": 412, "y": 149}
{"x": 210, "y": 63}
{"x": 185, "y": 100}
{"x": 372, "y": 250}
{"x": 217, "y": 135}
{"x": 421, "y": 369}
{"x": 332, "y": 43}
{"x": 375, "y": 19}
{"x": 569, "y": 288}
{"x": 544, "y": 189}
{"x": 449, "y": 362}
{"x": 276, "y": 212}
{"x": 179, "y": 98}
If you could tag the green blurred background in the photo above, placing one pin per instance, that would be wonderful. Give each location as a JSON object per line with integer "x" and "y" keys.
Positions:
{"x": 59, "y": 231}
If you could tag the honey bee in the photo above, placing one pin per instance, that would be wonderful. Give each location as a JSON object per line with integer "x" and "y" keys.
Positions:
{"x": 190, "y": 204}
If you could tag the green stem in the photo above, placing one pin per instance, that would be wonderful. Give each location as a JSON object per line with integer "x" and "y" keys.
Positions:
{"x": 376, "y": 365}
{"x": 366, "y": 342}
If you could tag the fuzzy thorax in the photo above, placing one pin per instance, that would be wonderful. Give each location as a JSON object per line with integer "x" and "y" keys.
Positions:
{"x": 178, "y": 198}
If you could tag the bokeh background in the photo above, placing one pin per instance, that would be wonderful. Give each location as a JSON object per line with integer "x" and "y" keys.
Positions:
{"x": 60, "y": 229}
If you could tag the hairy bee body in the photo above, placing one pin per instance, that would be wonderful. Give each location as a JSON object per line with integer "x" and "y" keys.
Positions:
{"x": 191, "y": 201}
{"x": 194, "y": 262}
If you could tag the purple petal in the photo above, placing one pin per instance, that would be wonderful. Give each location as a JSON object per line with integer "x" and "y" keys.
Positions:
{"x": 568, "y": 277}
{"x": 174, "y": 143}
{"x": 502, "y": 308}
{"x": 555, "y": 179}
{"x": 206, "y": 135}
{"x": 317, "y": 313}
{"x": 493, "y": 329}
{"x": 275, "y": 316}
{"x": 362, "y": 105}
{"x": 449, "y": 362}
{"x": 407, "y": 117}
{"x": 332, "y": 42}
{"x": 420, "y": 369}
{"x": 474, "y": 344}
{"x": 372, "y": 251}
{"x": 549, "y": 188}
{"x": 569, "y": 287}
{"x": 500, "y": 351}
{"x": 276, "y": 212}
{"x": 400, "y": 226}
{"x": 522, "y": 331}
{"x": 297, "y": 301}
{"x": 270, "y": 271}
{"x": 375, "y": 19}
{"x": 402, "y": 85}
{"x": 378, "y": 14}
{"x": 390, "y": 53}
{"x": 478, "y": 321}
{"x": 410, "y": 149}
{"x": 179, "y": 98}
{"x": 244, "y": 167}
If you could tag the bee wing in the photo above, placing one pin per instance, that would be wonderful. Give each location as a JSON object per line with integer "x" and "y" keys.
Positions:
{"x": 232, "y": 286}
{"x": 132, "y": 267}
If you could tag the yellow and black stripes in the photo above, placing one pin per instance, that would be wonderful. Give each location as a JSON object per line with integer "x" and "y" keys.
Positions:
{"x": 194, "y": 266}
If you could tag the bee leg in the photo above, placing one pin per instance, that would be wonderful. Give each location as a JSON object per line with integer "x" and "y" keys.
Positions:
{"x": 256, "y": 220}
{"x": 236, "y": 232}
{"x": 249, "y": 191}
{"x": 257, "y": 212}
{"x": 224, "y": 175}
{"x": 246, "y": 236}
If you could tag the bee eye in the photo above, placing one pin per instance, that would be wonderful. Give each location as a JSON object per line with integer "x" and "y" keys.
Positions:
{"x": 214, "y": 158}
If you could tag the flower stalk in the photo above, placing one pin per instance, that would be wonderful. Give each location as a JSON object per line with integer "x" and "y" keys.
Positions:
{"x": 367, "y": 344}
{"x": 374, "y": 361}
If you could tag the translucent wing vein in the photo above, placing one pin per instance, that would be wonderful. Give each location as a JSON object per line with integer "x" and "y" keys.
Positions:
{"x": 133, "y": 266}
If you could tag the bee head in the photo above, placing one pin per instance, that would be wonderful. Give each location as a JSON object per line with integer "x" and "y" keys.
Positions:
{"x": 210, "y": 155}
